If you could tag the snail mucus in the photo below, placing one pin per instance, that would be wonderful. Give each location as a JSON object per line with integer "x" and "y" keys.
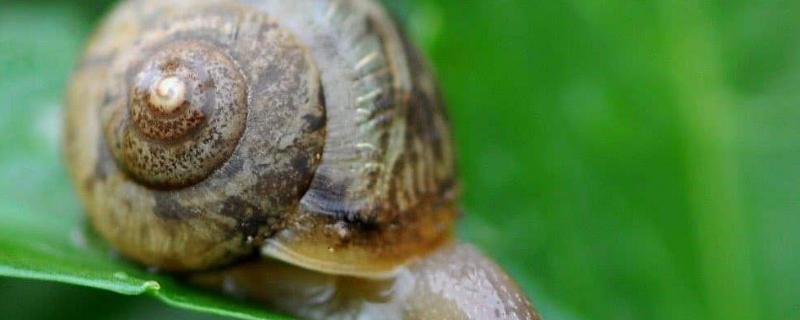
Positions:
{"x": 291, "y": 152}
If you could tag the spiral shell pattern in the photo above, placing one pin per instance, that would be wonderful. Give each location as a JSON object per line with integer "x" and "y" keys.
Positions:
{"x": 310, "y": 131}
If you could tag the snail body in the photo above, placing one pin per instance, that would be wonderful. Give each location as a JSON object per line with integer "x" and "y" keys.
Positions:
{"x": 199, "y": 133}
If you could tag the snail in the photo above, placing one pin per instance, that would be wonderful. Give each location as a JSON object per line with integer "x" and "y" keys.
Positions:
{"x": 292, "y": 152}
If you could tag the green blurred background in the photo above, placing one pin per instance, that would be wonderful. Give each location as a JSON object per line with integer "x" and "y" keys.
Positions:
{"x": 622, "y": 159}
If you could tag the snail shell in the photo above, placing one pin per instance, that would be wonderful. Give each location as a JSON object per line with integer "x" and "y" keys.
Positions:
{"x": 199, "y": 132}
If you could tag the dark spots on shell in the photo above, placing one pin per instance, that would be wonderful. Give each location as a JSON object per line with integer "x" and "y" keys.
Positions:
{"x": 251, "y": 227}
{"x": 237, "y": 208}
{"x": 268, "y": 186}
{"x": 301, "y": 165}
{"x": 168, "y": 208}
{"x": 174, "y": 147}
{"x": 314, "y": 122}
{"x": 154, "y": 125}
{"x": 363, "y": 224}
{"x": 249, "y": 218}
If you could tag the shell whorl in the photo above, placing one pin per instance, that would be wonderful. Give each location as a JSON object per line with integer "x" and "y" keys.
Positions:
{"x": 199, "y": 131}
{"x": 186, "y": 109}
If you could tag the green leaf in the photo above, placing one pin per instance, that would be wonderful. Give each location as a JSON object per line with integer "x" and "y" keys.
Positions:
{"x": 36, "y": 247}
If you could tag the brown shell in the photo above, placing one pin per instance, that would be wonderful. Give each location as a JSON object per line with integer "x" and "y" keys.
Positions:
{"x": 203, "y": 131}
